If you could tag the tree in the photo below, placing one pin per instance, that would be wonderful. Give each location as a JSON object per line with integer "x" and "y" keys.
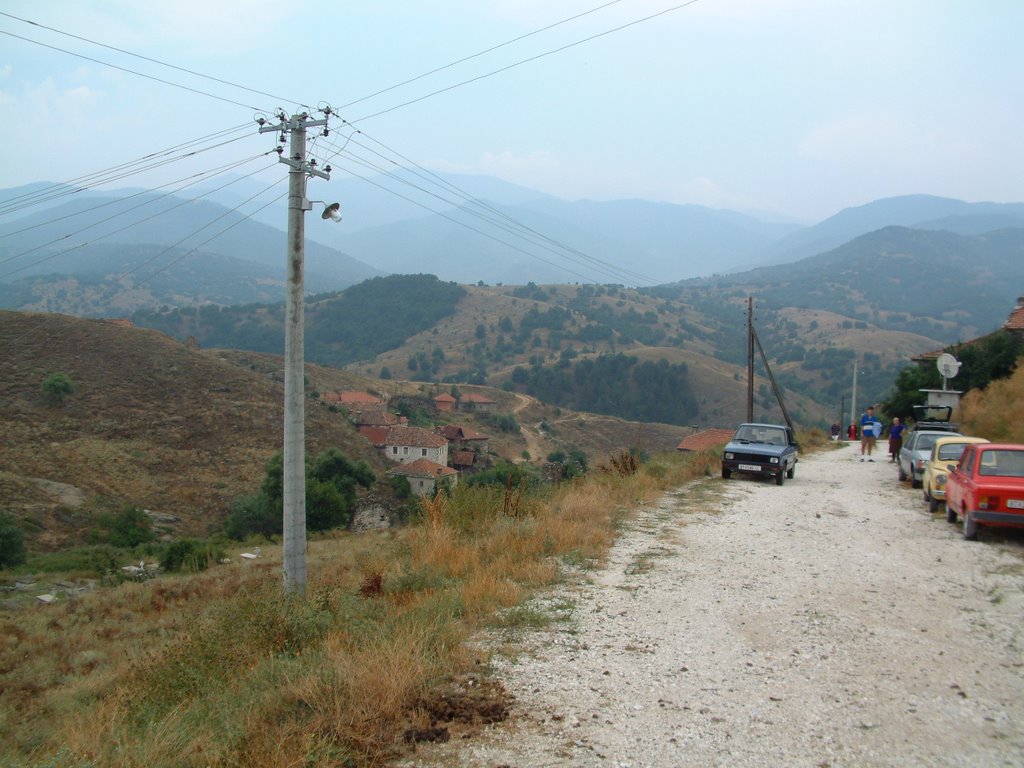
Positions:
{"x": 331, "y": 482}
{"x": 12, "y": 542}
{"x": 57, "y": 387}
{"x": 126, "y": 529}
{"x": 253, "y": 514}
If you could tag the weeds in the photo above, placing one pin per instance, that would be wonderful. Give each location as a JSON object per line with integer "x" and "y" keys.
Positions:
{"x": 220, "y": 668}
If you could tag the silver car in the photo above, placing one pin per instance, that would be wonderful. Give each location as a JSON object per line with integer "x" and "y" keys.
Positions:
{"x": 916, "y": 451}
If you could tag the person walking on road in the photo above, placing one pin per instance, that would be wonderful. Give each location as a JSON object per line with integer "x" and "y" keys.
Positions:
{"x": 868, "y": 433}
{"x": 895, "y": 438}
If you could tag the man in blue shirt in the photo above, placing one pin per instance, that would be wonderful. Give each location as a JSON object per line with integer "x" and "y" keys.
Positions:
{"x": 868, "y": 433}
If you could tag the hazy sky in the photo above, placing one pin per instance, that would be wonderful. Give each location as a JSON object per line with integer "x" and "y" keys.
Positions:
{"x": 795, "y": 107}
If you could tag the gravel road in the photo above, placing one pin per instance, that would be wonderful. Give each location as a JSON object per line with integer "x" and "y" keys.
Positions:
{"x": 829, "y": 622}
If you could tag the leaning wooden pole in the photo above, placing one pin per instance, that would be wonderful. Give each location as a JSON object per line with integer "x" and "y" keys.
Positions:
{"x": 750, "y": 358}
{"x": 771, "y": 378}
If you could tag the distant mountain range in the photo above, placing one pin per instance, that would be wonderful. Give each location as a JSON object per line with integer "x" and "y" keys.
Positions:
{"x": 165, "y": 250}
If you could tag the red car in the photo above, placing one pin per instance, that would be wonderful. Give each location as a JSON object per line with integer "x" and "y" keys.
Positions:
{"x": 987, "y": 487}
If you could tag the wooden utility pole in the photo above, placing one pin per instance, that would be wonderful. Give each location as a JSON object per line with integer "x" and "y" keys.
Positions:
{"x": 750, "y": 358}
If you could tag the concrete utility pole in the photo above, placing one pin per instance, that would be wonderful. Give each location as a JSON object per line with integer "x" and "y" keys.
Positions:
{"x": 294, "y": 349}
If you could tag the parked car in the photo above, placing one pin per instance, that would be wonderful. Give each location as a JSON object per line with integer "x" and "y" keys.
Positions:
{"x": 987, "y": 487}
{"x": 915, "y": 452}
{"x": 768, "y": 450}
{"x": 944, "y": 456}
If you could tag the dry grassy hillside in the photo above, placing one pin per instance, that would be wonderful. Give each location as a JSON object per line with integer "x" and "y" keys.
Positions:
{"x": 151, "y": 423}
{"x": 181, "y": 431}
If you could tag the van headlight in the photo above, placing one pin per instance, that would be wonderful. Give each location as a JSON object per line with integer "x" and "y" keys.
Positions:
{"x": 729, "y": 455}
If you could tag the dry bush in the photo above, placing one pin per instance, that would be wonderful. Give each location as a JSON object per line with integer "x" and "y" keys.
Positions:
{"x": 996, "y": 412}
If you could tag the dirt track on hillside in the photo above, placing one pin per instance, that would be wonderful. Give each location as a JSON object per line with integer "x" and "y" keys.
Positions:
{"x": 829, "y": 622}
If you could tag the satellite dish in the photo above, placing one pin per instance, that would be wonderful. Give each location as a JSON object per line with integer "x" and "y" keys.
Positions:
{"x": 948, "y": 365}
{"x": 332, "y": 212}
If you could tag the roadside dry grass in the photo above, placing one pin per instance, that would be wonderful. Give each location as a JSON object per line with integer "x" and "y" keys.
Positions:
{"x": 222, "y": 669}
{"x": 996, "y": 412}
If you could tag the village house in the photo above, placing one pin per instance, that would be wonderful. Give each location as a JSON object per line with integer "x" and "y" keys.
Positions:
{"x": 376, "y": 436}
{"x": 471, "y": 401}
{"x": 407, "y": 444}
{"x": 424, "y": 474}
{"x": 445, "y": 403}
{"x": 463, "y": 460}
{"x": 378, "y": 419}
{"x": 464, "y": 438}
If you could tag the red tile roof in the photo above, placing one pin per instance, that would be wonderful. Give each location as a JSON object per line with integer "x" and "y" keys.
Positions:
{"x": 464, "y": 458}
{"x": 473, "y": 397}
{"x": 455, "y": 432}
{"x": 423, "y": 468}
{"x": 702, "y": 441}
{"x": 376, "y": 435}
{"x": 380, "y": 419}
{"x": 1015, "y": 322}
{"x": 414, "y": 436}
{"x": 445, "y": 398}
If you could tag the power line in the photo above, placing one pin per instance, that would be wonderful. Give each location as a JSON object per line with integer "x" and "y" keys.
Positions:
{"x": 132, "y": 71}
{"x": 206, "y": 226}
{"x": 120, "y": 171}
{"x": 136, "y": 223}
{"x": 147, "y": 58}
{"x": 470, "y": 227}
{"x": 526, "y": 61}
{"x": 467, "y": 197}
{"x": 192, "y": 181}
{"x": 478, "y": 54}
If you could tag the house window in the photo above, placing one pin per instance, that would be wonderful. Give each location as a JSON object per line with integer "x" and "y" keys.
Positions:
{"x": 405, "y": 450}
{"x": 394, "y": 450}
{"x": 424, "y": 451}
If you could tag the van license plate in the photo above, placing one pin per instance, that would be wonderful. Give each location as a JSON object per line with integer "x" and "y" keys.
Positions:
{"x": 1015, "y": 503}
{"x": 750, "y": 467}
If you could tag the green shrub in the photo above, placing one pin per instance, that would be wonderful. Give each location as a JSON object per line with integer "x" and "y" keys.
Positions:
{"x": 400, "y": 485}
{"x": 331, "y": 483}
{"x": 253, "y": 514}
{"x": 125, "y": 529}
{"x": 326, "y": 508}
{"x": 12, "y": 542}
{"x": 57, "y": 387}
{"x": 191, "y": 555}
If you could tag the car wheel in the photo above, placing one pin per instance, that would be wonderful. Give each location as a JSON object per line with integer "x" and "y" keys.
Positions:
{"x": 950, "y": 514}
{"x": 933, "y": 504}
{"x": 791, "y": 472}
{"x": 780, "y": 478}
{"x": 726, "y": 473}
{"x": 914, "y": 482}
{"x": 970, "y": 527}
{"x": 903, "y": 475}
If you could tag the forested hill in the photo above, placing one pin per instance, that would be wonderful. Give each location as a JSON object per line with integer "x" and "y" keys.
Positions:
{"x": 356, "y": 324}
{"x": 939, "y": 284}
